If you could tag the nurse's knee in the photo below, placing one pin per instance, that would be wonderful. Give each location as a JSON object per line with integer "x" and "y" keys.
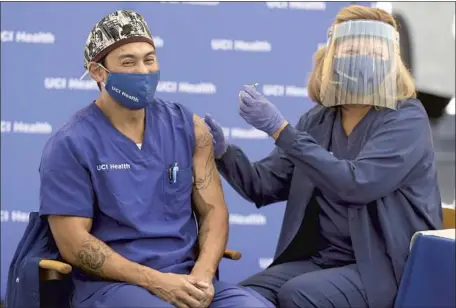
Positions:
{"x": 294, "y": 294}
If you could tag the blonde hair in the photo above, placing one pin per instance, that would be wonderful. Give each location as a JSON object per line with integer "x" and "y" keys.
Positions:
{"x": 404, "y": 81}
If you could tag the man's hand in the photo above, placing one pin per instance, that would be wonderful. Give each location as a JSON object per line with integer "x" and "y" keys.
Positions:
{"x": 209, "y": 291}
{"x": 181, "y": 291}
{"x": 204, "y": 283}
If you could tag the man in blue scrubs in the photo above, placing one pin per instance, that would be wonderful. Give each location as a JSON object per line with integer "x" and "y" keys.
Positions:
{"x": 122, "y": 179}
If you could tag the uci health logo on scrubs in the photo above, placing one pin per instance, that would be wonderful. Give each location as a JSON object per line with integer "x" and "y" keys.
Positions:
{"x": 20, "y": 127}
{"x": 240, "y": 45}
{"x": 284, "y": 90}
{"x": 308, "y": 6}
{"x": 9, "y": 36}
{"x": 104, "y": 167}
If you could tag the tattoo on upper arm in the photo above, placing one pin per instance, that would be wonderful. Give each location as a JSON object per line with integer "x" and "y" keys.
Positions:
{"x": 203, "y": 180}
{"x": 93, "y": 255}
{"x": 204, "y": 141}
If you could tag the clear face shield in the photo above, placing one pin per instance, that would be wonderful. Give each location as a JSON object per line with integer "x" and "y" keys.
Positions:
{"x": 360, "y": 65}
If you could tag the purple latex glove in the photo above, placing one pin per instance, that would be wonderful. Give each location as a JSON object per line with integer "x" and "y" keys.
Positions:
{"x": 258, "y": 111}
{"x": 218, "y": 138}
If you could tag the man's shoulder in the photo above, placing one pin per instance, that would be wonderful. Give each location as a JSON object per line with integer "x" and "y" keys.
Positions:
{"x": 75, "y": 125}
{"x": 172, "y": 110}
{"x": 169, "y": 105}
{"x": 67, "y": 138}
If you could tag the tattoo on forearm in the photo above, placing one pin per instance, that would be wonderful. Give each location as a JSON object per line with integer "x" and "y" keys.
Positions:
{"x": 93, "y": 255}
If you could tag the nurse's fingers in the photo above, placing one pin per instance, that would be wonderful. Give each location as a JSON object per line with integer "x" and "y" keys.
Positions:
{"x": 252, "y": 91}
{"x": 243, "y": 96}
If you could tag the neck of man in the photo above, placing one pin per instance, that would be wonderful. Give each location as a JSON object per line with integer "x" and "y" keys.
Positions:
{"x": 129, "y": 122}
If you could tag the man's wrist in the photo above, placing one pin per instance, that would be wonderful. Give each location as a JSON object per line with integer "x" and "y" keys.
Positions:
{"x": 203, "y": 272}
{"x": 150, "y": 278}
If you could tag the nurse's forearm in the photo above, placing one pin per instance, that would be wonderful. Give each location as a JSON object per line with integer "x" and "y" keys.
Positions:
{"x": 96, "y": 258}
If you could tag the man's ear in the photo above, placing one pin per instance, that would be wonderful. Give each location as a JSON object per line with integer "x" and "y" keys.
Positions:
{"x": 97, "y": 72}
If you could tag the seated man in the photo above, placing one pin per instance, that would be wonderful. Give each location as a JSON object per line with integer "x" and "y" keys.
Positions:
{"x": 117, "y": 182}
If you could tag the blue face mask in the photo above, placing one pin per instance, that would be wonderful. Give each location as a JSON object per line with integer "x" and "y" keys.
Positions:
{"x": 360, "y": 74}
{"x": 133, "y": 91}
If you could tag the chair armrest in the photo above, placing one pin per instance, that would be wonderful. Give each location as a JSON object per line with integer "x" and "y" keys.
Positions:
{"x": 53, "y": 265}
{"x": 232, "y": 254}
{"x": 54, "y": 270}
{"x": 449, "y": 218}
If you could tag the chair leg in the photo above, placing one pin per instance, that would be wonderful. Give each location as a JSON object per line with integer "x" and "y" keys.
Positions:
{"x": 55, "y": 293}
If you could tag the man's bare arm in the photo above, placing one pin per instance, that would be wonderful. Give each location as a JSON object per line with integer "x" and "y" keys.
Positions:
{"x": 209, "y": 204}
{"x": 78, "y": 247}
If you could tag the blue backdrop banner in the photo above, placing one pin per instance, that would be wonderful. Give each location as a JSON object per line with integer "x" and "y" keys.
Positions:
{"x": 207, "y": 51}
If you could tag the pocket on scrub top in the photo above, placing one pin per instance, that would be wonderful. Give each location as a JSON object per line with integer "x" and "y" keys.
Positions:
{"x": 178, "y": 191}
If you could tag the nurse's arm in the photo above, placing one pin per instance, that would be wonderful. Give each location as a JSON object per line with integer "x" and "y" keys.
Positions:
{"x": 262, "y": 182}
{"x": 209, "y": 202}
{"x": 399, "y": 145}
{"x": 78, "y": 247}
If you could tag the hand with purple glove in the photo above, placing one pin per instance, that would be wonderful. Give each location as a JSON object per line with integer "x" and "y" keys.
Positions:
{"x": 259, "y": 112}
{"x": 218, "y": 138}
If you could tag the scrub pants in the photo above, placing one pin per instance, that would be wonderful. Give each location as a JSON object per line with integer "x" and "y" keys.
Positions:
{"x": 123, "y": 295}
{"x": 304, "y": 284}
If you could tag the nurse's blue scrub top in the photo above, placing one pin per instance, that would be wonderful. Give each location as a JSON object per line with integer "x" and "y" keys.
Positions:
{"x": 334, "y": 238}
{"x": 89, "y": 169}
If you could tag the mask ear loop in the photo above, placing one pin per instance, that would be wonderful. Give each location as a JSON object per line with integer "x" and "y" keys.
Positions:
{"x": 88, "y": 66}
{"x": 102, "y": 66}
{"x": 87, "y": 71}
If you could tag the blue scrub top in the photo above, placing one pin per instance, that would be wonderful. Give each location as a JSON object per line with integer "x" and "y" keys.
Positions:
{"x": 90, "y": 169}
{"x": 334, "y": 236}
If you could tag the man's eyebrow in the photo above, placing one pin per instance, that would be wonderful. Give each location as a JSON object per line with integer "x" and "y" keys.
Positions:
{"x": 151, "y": 53}
{"x": 126, "y": 56}
{"x": 133, "y": 56}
